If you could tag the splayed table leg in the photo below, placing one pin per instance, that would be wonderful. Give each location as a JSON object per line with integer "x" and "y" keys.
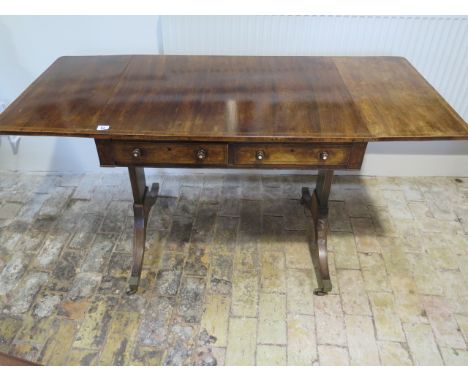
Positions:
{"x": 143, "y": 199}
{"x": 317, "y": 204}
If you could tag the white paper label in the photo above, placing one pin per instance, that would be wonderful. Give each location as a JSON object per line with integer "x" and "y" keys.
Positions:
{"x": 103, "y": 127}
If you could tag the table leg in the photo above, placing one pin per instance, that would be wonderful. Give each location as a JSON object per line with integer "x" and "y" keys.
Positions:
{"x": 317, "y": 203}
{"x": 143, "y": 200}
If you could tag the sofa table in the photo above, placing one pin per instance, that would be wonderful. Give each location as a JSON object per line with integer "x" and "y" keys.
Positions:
{"x": 314, "y": 113}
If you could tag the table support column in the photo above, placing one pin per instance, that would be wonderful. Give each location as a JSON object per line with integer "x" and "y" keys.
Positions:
{"x": 143, "y": 200}
{"x": 317, "y": 204}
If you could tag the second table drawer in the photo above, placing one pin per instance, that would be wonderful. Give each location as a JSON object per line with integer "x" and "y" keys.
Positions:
{"x": 290, "y": 154}
{"x": 170, "y": 153}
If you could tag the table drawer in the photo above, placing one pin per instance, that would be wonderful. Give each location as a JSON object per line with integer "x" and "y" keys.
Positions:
{"x": 273, "y": 154}
{"x": 161, "y": 153}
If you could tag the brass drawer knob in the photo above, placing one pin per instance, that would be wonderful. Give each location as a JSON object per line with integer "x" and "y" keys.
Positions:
{"x": 201, "y": 154}
{"x": 260, "y": 155}
{"x": 324, "y": 155}
{"x": 136, "y": 153}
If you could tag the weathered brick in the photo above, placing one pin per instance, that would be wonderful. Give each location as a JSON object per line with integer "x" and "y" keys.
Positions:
{"x": 154, "y": 248}
{"x": 443, "y": 324}
{"x": 294, "y": 217}
{"x": 29, "y": 352}
{"x": 188, "y": 201}
{"x": 454, "y": 357}
{"x": 197, "y": 262}
{"x": 56, "y": 202}
{"x": 338, "y": 217}
{"x": 94, "y": 327}
{"x": 114, "y": 221}
{"x": 416, "y": 274}
{"x": 86, "y": 186}
{"x": 230, "y": 203}
{"x": 84, "y": 285}
{"x": 46, "y": 305}
{"x": 422, "y": 345}
{"x": 330, "y": 355}
{"x": 74, "y": 310}
{"x": 220, "y": 274}
{"x": 35, "y": 330}
{"x": 191, "y": 299}
{"x": 242, "y": 342}
{"x": 250, "y": 225}
{"x": 215, "y": 318}
{"x": 425, "y": 276}
{"x": 181, "y": 345}
{"x": 361, "y": 340}
{"x": 374, "y": 272}
{"x": 273, "y": 272}
{"x": 364, "y": 234}
{"x": 169, "y": 274}
{"x": 24, "y": 295}
{"x": 329, "y": 320}
{"x": 203, "y": 227}
{"x": 179, "y": 237}
{"x": 297, "y": 250}
{"x": 31, "y": 207}
{"x": 30, "y": 241}
{"x": 118, "y": 346}
{"x": 301, "y": 284}
{"x": 353, "y": 294}
{"x": 344, "y": 247}
{"x": 56, "y": 349}
{"x": 356, "y": 202}
{"x": 272, "y": 319}
{"x": 272, "y": 239}
{"x": 463, "y": 325}
{"x": 99, "y": 254}
{"x": 9, "y": 326}
{"x": 245, "y": 294}
{"x": 65, "y": 270}
{"x": 82, "y": 357}
{"x": 393, "y": 354}
{"x": 387, "y": 322}
{"x": 124, "y": 243}
{"x": 271, "y": 355}
{"x": 302, "y": 344}
{"x": 9, "y": 210}
{"x": 147, "y": 356}
{"x": 161, "y": 213}
{"x": 11, "y": 274}
{"x": 51, "y": 250}
{"x": 225, "y": 235}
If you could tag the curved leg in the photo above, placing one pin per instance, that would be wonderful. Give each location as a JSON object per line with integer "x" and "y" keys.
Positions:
{"x": 317, "y": 203}
{"x": 324, "y": 282}
{"x": 143, "y": 201}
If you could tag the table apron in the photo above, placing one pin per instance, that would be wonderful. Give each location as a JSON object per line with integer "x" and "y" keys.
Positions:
{"x": 320, "y": 155}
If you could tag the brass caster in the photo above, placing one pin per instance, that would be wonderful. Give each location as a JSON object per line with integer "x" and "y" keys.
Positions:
{"x": 320, "y": 292}
{"x": 132, "y": 286}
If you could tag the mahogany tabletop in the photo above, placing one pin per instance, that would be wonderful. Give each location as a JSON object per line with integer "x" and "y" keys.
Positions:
{"x": 233, "y": 98}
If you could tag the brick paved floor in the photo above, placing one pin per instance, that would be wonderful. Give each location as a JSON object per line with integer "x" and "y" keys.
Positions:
{"x": 227, "y": 276}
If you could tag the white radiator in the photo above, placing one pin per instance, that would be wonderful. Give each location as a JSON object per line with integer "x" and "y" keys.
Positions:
{"x": 436, "y": 45}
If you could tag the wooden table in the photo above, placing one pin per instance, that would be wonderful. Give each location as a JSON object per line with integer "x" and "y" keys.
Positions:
{"x": 233, "y": 112}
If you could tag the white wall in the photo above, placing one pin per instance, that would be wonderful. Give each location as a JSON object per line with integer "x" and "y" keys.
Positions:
{"x": 436, "y": 46}
{"x": 28, "y": 45}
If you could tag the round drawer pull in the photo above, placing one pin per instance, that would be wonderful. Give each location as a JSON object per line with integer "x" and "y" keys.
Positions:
{"x": 324, "y": 155}
{"x": 201, "y": 154}
{"x": 136, "y": 153}
{"x": 260, "y": 155}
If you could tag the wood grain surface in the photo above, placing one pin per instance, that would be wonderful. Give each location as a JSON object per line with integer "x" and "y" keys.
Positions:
{"x": 234, "y": 99}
